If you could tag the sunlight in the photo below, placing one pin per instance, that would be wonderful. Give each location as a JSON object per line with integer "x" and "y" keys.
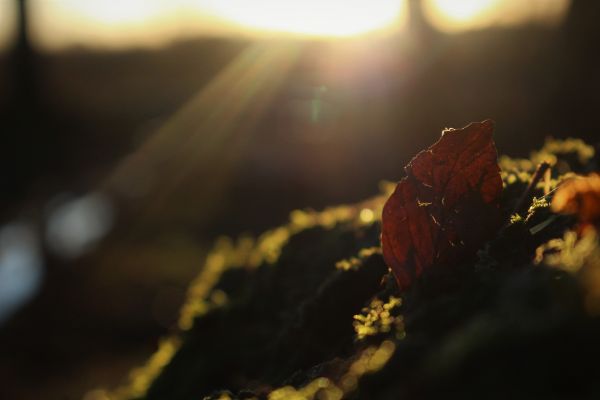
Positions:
{"x": 59, "y": 23}
{"x": 464, "y": 10}
{"x": 212, "y": 128}
{"x": 100, "y": 23}
{"x": 457, "y": 16}
{"x": 130, "y": 11}
{"x": 311, "y": 17}
{"x": 7, "y": 23}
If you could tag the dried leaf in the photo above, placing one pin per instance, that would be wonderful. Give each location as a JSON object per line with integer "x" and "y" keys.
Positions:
{"x": 580, "y": 196}
{"x": 446, "y": 207}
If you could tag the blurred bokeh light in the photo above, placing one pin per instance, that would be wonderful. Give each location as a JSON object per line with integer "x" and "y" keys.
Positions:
{"x": 21, "y": 267}
{"x": 58, "y": 23}
{"x": 8, "y": 19}
{"x": 74, "y": 225}
{"x": 463, "y": 15}
{"x": 311, "y": 17}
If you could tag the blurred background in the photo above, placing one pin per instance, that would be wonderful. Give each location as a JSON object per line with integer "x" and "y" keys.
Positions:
{"x": 134, "y": 133}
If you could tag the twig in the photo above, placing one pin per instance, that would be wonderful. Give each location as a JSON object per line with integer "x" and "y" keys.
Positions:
{"x": 539, "y": 174}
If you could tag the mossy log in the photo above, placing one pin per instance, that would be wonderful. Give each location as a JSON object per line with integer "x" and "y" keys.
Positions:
{"x": 310, "y": 310}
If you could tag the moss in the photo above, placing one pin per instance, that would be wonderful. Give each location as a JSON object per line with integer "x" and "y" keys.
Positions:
{"x": 378, "y": 318}
{"x": 309, "y": 310}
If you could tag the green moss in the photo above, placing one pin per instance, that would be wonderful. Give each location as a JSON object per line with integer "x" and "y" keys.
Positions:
{"x": 378, "y": 318}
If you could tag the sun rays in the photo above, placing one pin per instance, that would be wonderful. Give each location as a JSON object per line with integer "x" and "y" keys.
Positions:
{"x": 203, "y": 140}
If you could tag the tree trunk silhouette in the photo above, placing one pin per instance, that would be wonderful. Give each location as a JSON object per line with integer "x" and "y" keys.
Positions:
{"x": 26, "y": 137}
{"x": 23, "y": 89}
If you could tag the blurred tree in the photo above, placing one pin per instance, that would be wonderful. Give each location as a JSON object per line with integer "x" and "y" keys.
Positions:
{"x": 418, "y": 23}
{"x": 23, "y": 51}
{"x": 28, "y": 138}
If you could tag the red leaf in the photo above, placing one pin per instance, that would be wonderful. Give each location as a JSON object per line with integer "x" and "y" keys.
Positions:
{"x": 446, "y": 207}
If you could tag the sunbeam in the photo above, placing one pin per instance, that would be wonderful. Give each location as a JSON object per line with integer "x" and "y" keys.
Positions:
{"x": 211, "y": 130}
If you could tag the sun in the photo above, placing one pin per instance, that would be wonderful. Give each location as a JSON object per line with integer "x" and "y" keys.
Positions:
{"x": 453, "y": 15}
{"x": 464, "y": 9}
{"x": 310, "y": 17}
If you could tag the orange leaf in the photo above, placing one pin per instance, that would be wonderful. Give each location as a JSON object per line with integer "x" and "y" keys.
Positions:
{"x": 580, "y": 196}
{"x": 446, "y": 207}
